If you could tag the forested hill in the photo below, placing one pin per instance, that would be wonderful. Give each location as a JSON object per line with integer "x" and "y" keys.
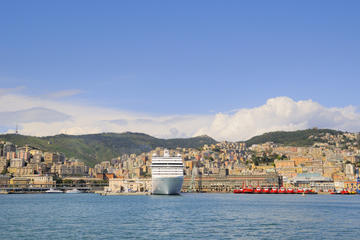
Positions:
{"x": 294, "y": 138}
{"x": 94, "y": 148}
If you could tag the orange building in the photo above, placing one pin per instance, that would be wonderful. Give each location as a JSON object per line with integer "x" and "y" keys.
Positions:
{"x": 284, "y": 163}
{"x": 109, "y": 175}
{"x": 301, "y": 160}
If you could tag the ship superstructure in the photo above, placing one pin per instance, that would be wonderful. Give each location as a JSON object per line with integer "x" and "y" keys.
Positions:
{"x": 167, "y": 173}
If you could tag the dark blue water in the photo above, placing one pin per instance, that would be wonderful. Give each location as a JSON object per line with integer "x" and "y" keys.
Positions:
{"x": 189, "y": 216}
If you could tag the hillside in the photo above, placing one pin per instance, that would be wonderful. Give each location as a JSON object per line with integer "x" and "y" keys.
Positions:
{"x": 294, "y": 138}
{"x": 94, "y": 148}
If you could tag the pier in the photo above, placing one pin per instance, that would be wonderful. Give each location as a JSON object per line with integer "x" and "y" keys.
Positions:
{"x": 40, "y": 188}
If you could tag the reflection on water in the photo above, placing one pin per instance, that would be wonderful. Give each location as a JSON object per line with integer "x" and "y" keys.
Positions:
{"x": 187, "y": 216}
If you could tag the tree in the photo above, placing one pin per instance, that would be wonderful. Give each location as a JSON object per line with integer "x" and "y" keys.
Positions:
{"x": 4, "y": 171}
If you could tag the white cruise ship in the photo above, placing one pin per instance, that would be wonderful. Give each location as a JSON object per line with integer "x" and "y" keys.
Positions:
{"x": 167, "y": 174}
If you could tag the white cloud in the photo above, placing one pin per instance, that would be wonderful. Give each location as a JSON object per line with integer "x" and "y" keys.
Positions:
{"x": 41, "y": 116}
{"x": 82, "y": 119}
{"x": 281, "y": 113}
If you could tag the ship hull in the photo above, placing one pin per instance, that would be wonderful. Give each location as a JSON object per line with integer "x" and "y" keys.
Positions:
{"x": 167, "y": 185}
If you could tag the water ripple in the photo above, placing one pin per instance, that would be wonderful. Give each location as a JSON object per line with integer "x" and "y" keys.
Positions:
{"x": 189, "y": 216}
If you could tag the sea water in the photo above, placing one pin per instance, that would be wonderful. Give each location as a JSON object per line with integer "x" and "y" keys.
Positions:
{"x": 188, "y": 216}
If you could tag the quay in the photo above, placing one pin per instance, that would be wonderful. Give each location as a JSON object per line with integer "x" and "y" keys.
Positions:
{"x": 124, "y": 193}
{"x": 42, "y": 188}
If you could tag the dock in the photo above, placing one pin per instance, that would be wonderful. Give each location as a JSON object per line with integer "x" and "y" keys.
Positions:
{"x": 123, "y": 193}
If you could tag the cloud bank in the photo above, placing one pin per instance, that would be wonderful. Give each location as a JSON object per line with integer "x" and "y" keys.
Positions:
{"x": 281, "y": 113}
{"x": 38, "y": 114}
{"x": 42, "y": 116}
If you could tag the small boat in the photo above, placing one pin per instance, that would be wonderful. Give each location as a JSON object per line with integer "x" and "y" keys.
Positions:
{"x": 258, "y": 190}
{"x": 239, "y": 190}
{"x": 282, "y": 190}
{"x": 334, "y": 191}
{"x": 248, "y": 190}
{"x": 312, "y": 191}
{"x": 290, "y": 191}
{"x": 345, "y": 192}
{"x": 73, "y": 191}
{"x": 274, "y": 190}
{"x": 299, "y": 191}
{"x": 51, "y": 190}
{"x": 265, "y": 190}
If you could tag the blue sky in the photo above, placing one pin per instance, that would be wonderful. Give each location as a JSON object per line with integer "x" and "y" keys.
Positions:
{"x": 181, "y": 57}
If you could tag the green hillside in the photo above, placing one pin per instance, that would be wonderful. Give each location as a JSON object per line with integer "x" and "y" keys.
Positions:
{"x": 299, "y": 138}
{"x": 94, "y": 148}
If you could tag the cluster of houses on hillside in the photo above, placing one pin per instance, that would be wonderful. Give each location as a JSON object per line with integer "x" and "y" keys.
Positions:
{"x": 330, "y": 163}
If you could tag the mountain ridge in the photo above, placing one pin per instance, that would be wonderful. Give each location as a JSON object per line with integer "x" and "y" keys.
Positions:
{"x": 298, "y": 138}
{"x": 94, "y": 148}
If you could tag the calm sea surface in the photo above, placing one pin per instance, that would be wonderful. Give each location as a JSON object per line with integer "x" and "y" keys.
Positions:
{"x": 189, "y": 216}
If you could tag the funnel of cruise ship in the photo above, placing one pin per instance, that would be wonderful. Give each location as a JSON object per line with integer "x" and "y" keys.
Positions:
{"x": 167, "y": 174}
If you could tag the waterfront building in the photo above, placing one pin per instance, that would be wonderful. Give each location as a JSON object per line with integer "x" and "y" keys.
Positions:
{"x": 213, "y": 183}
{"x": 20, "y": 181}
{"x": 119, "y": 185}
{"x": 313, "y": 180}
